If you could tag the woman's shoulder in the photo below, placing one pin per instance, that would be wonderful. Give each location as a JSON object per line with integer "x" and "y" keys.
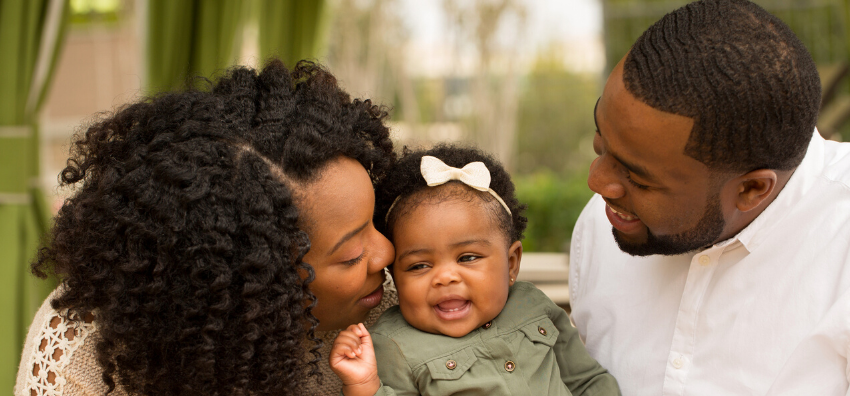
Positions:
{"x": 59, "y": 356}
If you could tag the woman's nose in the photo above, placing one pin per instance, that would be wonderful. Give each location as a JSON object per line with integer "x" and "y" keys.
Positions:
{"x": 384, "y": 253}
{"x": 603, "y": 179}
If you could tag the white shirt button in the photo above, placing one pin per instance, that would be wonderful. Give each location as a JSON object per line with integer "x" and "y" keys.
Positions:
{"x": 678, "y": 362}
{"x": 704, "y": 260}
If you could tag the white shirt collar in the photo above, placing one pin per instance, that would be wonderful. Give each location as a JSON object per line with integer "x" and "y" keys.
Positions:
{"x": 755, "y": 233}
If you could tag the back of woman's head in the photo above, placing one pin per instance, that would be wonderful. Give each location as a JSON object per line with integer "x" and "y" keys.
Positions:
{"x": 182, "y": 237}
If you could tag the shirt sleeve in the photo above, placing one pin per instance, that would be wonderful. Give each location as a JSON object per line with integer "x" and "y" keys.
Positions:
{"x": 395, "y": 374}
{"x": 51, "y": 343}
{"x": 582, "y": 374}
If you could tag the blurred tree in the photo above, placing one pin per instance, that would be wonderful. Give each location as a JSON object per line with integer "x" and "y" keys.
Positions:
{"x": 555, "y": 116}
{"x": 494, "y": 85}
{"x": 366, "y": 53}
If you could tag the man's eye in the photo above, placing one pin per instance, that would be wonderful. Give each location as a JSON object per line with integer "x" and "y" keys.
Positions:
{"x": 636, "y": 184}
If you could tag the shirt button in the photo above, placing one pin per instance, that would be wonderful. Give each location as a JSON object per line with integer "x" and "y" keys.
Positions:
{"x": 678, "y": 362}
{"x": 487, "y": 325}
{"x": 541, "y": 330}
{"x": 510, "y": 366}
{"x": 704, "y": 260}
{"x": 451, "y": 364}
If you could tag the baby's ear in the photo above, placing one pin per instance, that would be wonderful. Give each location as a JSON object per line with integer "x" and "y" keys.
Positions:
{"x": 514, "y": 258}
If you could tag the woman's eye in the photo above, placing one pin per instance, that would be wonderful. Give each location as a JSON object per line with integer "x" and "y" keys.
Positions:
{"x": 355, "y": 260}
{"x": 467, "y": 258}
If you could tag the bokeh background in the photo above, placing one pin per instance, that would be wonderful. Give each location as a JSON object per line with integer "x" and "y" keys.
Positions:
{"x": 518, "y": 78}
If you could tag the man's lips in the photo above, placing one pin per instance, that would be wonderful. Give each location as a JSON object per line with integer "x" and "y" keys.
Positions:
{"x": 623, "y": 221}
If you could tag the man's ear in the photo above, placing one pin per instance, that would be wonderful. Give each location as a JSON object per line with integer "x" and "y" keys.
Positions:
{"x": 514, "y": 258}
{"x": 753, "y": 188}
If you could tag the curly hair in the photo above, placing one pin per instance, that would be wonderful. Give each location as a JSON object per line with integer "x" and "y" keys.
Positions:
{"x": 182, "y": 235}
{"x": 405, "y": 186}
{"x": 748, "y": 82}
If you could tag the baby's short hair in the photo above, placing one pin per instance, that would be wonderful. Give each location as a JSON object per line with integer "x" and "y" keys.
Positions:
{"x": 401, "y": 188}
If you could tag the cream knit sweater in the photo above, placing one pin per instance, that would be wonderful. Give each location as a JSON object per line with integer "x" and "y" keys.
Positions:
{"x": 59, "y": 356}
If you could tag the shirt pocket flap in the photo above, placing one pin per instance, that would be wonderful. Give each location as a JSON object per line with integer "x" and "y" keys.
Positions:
{"x": 452, "y": 366}
{"x": 542, "y": 331}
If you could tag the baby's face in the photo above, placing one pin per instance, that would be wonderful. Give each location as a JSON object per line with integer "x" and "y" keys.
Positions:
{"x": 452, "y": 267}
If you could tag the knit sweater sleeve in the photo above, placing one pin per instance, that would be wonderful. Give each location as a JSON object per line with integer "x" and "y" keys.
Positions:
{"x": 59, "y": 357}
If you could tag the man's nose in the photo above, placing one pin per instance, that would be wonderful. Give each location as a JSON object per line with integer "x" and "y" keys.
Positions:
{"x": 603, "y": 178}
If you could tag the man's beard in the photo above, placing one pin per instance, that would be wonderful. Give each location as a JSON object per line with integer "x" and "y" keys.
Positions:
{"x": 705, "y": 233}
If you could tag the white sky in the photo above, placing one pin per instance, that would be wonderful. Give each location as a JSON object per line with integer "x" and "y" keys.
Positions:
{"x": 576, "y": 25}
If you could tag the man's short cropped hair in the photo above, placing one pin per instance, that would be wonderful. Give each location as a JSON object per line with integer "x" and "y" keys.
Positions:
{"x": 743, "y": 76}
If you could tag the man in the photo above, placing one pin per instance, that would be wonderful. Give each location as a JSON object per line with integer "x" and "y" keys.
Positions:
{"x": 728, "y": 268}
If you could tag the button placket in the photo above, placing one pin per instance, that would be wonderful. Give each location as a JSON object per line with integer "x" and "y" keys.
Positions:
{"x": 700, "y": 273}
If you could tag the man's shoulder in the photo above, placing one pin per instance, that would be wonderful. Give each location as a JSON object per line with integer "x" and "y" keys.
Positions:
{"x": 837, "y": 162}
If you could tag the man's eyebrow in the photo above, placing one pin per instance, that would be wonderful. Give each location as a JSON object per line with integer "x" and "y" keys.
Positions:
{"x": 348, "y": 236}
{"x": 634, "y": 168}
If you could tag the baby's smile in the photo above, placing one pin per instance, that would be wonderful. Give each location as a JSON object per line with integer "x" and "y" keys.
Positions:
{"x": 452, "y": 307}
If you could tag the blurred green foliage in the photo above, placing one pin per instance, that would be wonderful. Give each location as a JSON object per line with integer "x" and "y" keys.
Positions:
{"x": 554, "y": 204}
{"x": 554, "y": 132}
{"x": 555, "y": 116}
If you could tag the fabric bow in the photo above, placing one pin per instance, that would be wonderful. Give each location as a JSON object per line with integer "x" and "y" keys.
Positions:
{"x": 436, "y": 172}
{"x": 474, "y": 174}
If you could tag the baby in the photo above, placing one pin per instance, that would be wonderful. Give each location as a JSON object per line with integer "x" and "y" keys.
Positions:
{"x": 463, "y": 323}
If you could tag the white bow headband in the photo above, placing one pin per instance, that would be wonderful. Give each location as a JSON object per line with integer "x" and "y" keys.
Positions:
{"x": 436, "y": 172}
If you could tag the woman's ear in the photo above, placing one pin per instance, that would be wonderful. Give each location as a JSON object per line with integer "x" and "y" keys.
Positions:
{"x": 514, "y": 258}
{"x": 753, "y": 188}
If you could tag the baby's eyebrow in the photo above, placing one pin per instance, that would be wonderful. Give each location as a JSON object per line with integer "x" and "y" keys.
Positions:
{"x": 472, "y": 242}
{"x": 410, "y": 252}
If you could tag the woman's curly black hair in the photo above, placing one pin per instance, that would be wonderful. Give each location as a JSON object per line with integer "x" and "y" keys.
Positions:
{"x": 182, "y": 237}
{"x": 405, "y": 184}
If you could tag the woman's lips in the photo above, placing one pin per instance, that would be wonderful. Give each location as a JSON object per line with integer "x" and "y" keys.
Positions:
{"x": 625, "y": 222}
{"x": 452, "y": 309}
{"x": 373, "y": 299}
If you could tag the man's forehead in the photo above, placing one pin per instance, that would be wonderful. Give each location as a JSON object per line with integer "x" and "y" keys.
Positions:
{"x": 641, "y": 134}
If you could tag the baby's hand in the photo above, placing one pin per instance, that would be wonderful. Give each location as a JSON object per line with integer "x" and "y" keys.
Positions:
{"x": 353, "y": 360}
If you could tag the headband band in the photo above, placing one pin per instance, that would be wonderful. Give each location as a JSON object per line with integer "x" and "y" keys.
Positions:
{"x": 436, "y": 172}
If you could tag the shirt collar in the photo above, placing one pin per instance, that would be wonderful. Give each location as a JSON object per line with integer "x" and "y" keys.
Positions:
{"x": 801, "y": 181}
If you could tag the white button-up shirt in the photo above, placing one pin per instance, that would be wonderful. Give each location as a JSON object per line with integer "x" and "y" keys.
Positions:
{"x": 764, "y": 313}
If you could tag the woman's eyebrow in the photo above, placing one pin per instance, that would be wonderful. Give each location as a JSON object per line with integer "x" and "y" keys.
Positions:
{"x": 348, "y": 236}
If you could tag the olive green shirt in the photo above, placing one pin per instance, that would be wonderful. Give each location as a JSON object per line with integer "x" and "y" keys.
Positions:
{"x": 529, "y": 349}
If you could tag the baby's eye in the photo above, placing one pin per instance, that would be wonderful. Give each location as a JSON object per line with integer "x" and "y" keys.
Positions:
{"x": 468, "y": 257}
{"x": 417, "y": 267}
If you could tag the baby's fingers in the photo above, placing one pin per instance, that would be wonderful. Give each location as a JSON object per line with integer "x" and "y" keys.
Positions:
{"x": 348, "y": 344}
